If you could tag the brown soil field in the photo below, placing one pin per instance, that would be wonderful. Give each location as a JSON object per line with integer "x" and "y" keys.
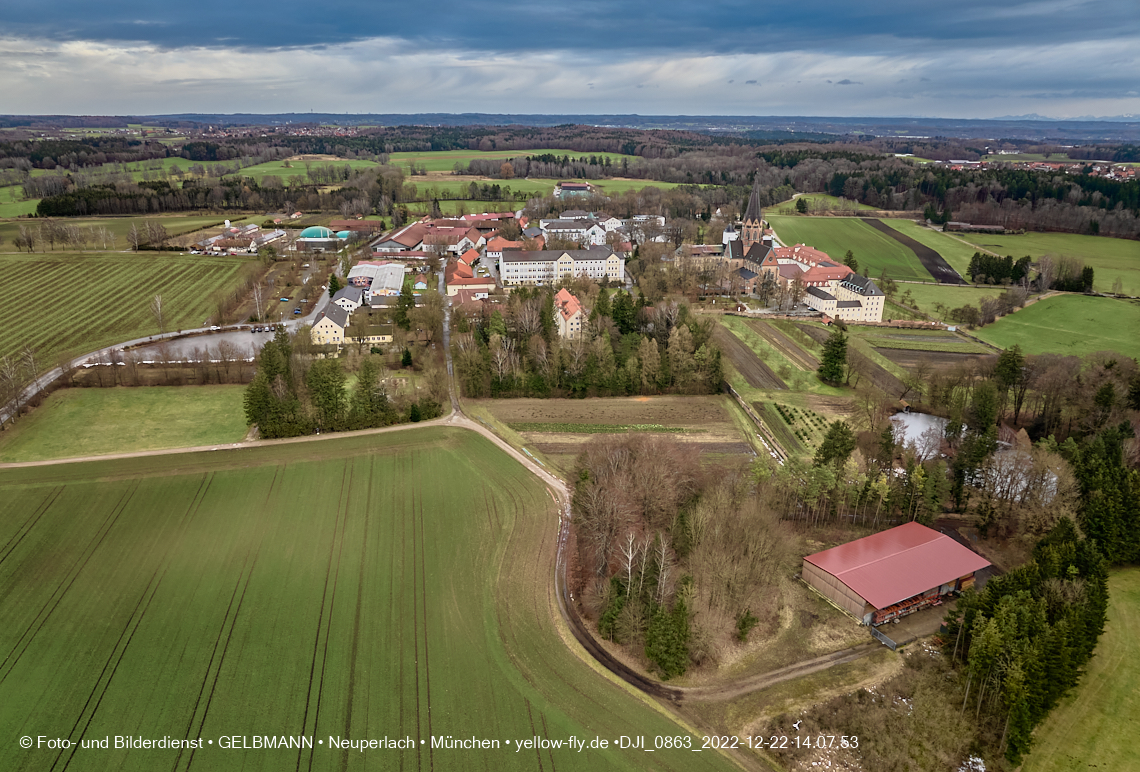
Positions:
{"x": 669, "y": 410}
{"x": 938, "y": 360}
{"x": 710, "y": 427}
{"x": 744, "y": 359}
{"x": 838, "y": 406}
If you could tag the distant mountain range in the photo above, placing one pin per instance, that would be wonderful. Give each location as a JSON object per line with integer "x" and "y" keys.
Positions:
{"x": 1033, "y": 127}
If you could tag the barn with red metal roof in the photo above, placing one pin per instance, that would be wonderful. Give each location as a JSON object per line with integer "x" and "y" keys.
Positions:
{"x": 892, "y": 573}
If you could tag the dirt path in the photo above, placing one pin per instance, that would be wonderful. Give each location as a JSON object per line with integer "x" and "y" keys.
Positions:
{"x": 758, "y": 374}
{"x": 782, "y": 343}
{"x": 933, "y": 262}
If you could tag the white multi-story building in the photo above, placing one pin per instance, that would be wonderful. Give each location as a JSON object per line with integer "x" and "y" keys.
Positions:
{"x": 580, "y": 231}
{"x": 549, "y": 267}
{"x": 853, "y": 298}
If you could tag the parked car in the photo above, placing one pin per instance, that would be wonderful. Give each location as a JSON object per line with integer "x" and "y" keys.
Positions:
{"x": 215, "y": 328}
{"x": 284, "y": 300}
{"x": 296, "y": 310}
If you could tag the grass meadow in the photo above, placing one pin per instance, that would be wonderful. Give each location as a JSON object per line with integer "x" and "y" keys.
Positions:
{"x": 817, "y": 202}
{"x": 82, "y": 422}
{"x": 925, "y": 296}
{"x": 380, "y": 586}
{"x": 835, "y": 235}
{"x": 297, "y": 168}
{"x": 1094, "y": 727}
{"x": 74, "y": 302}
{"x": 1111, "y": 258}
{"x": 1070, "y": 324}
{"x": 955, "y": 252}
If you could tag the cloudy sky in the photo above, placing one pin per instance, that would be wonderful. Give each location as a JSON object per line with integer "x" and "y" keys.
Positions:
{"x": 959, "y": 59}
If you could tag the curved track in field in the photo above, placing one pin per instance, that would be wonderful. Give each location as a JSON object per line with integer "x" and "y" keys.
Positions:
{"x": 933, "y": 262}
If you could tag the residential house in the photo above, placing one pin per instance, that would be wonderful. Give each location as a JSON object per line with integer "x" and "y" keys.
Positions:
{"x": 349, "y": 298}
{"x": 330, "y": 325}
{"x": 568, "y": 314}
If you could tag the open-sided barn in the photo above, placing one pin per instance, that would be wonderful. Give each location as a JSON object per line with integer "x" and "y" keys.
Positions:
{"x": 892, "y": 573}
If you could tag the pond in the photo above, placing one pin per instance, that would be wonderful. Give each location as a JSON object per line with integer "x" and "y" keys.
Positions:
{"x": 910, "y": 426}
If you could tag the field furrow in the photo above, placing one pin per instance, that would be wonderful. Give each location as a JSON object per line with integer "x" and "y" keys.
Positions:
{"x": 357, "y": 575}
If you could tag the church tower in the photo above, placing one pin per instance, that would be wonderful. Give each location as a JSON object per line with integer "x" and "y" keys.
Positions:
{"x": 753, "y": 228}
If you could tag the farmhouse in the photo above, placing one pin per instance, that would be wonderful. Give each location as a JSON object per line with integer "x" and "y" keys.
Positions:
{"x": 547, "y": 267}
{"x": 892, "y": 573}
{"x": 568, "y": 314}
{"x": 329, "y": 327}
{"x": 349, "y": 298}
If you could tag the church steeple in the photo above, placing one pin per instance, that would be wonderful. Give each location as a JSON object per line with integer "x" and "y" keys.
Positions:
{"x": 753, "y": 227}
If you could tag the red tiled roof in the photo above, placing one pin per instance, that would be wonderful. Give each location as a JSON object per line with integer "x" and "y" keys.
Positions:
{"x": 567, "y": 304}
{"x": 470, "y": 256}
{"x": 896, "y": 564}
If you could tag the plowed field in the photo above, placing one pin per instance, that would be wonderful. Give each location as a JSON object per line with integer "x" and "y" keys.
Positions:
{"x": 382, "y": 587}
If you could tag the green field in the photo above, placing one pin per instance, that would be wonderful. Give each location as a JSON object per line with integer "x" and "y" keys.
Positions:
{"x": 1111, "y": 258}
{"x": 617, "y": 187}
{"x": 430, "y": 187}
{"x": 120, "y": 226}
{"x": 326, "y": 590}
{"x": 75, "y": 302}
{"x": 924, "y": 296}
{"x": 445, "y": 160}
{"x": 297, "y": 168}
{"x": 835, "y": 235}
{"x": 1095, "y": 726}
{"x": 1070, "y": 324}
{"x": 83, "y": 422}
{"x": 817, "y": 202}
{"x": 12, "y": 203}
{"x": 952, "y": 250}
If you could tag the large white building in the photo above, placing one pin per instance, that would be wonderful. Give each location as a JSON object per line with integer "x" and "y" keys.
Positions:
{"x": 549, "y": 267}
{"x": 853, "y": 298}
{"x": 580, "y": 231}
{"x": 377, "y": 279}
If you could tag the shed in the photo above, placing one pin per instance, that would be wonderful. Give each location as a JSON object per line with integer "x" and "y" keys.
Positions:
{"x": 892, "y": 573}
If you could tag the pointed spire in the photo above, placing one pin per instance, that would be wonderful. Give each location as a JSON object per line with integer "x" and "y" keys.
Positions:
{"x": 753, "y": 212}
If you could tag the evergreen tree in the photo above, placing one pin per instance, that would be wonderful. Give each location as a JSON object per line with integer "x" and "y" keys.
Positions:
{"x": 834, "y": 360}
{"x": 404, "y": 305}
{"x": 837, "y": 445}
{"x": 624, "y": 312}
{"x": 334, "y": 284}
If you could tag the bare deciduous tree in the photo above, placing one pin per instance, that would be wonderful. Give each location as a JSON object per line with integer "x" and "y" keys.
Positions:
{"x": 157, "y": 313}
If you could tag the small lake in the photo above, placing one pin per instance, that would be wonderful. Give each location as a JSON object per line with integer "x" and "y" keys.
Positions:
{"x": 910, "y": 426}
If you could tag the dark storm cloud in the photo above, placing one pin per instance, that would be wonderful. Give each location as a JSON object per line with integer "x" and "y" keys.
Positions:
{"x": 834, "y": 26}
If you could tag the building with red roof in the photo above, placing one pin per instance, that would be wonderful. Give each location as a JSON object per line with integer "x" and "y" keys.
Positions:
{"x": 892, "y": 573}
{"x": 458, "y": 276}
{"x": 568, "y": 314}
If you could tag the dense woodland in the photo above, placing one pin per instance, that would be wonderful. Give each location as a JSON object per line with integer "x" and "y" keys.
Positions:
{"x": 626, "y": 347}
{"x": 295, "y": 393}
